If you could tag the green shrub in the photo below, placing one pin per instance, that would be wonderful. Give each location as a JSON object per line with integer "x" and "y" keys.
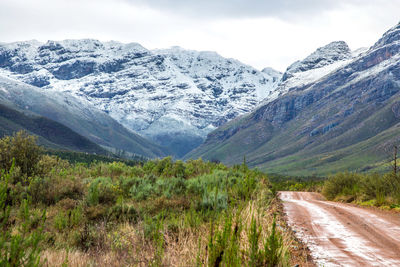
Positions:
{"x": 23, "y": 149}
{"x": 48, "y": 163}
{"x": 170, "y": 187}
{"x": 19, "y": 247}
{"x": 245, "y": 187}
{"x": 163, "y": 166}
{"x": 214, "y": 200}
{"x": 68, "y": 219}
{"x": 143, "y": 190}
{"x": 345, "y": 184}
{"x": 380, "y": 187}
{"x": 126, "y": 183}
{"x": 272, "y": 253}
{"x": 102, "y": 191}
{"x": 97, "y": 212}
{"x": 178, "y": 169}
{"x": 203, "y": 183}
{"x": 91, "y": 236}
{"x": 123, "y": 213}
{"x": 223, "y": 244}
{"x": 116, "y": 168}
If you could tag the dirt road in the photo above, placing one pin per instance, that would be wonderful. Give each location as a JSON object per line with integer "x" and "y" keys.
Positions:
{"x": 343, "y": 235}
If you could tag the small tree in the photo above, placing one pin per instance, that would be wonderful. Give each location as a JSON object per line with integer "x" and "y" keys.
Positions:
{"x": 21, "y": 147}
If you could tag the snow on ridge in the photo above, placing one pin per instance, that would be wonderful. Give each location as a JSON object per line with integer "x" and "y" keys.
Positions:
{"x": 138, "y": 87}
{"x": 310, "y": 76}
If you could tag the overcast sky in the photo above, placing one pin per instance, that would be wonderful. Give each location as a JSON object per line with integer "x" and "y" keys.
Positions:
{"x": 260, "y": 33}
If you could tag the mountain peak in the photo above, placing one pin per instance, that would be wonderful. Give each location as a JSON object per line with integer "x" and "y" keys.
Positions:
{"x": 323, "y": 56}
{"x": 389, "y": 37}
{"x": 274, "y": 74}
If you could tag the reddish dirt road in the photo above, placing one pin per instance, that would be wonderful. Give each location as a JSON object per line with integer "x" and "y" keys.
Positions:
{"x": 343, "y": 235}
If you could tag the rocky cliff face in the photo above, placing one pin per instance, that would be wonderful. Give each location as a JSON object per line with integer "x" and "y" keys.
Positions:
{"x": 174, "y": 96}
{"x": 325, "y": 107}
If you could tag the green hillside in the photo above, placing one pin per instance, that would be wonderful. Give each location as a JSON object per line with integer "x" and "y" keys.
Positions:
{"x": 82, "y": 118}
{"x": 51, "y": 133}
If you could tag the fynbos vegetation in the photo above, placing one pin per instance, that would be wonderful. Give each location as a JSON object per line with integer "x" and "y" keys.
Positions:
{"x": 368, "y": 189}
{"x": 154, "y": 213}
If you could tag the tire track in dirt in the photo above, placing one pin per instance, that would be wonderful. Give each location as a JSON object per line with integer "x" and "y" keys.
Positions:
{"x": 338, "y": 234}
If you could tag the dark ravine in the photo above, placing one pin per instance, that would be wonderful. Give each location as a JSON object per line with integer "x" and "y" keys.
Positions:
{"x": 345, "y": 119}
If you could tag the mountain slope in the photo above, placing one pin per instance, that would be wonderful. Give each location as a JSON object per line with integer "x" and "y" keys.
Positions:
{"x": 173, "y": 96}
{"x": 345, "y": 118}
{"x": 51, "y": 134}
{"x": 76, "y": 114}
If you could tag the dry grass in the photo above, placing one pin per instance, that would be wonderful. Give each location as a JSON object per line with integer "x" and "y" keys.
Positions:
{"x": 127, "y": 245}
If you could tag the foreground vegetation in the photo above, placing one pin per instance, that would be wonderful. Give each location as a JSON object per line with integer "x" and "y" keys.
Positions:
{"x": 154, "y": 213}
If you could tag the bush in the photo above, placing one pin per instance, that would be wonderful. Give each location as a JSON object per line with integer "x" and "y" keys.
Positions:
{"x": 97, "y": 212}
{"x": 273, "y": 251}
{"x": 214, "y": 200}
{"x": 48, "y": 163}
{"x": 23, "y": 149}
{"x": 102, "y": 191}
{"x": 204, "y": 183}
{"x": 68, "y": 219}
{"x": 380, "y": 187}
{"x": 344, "y": 184}
{"x": 91, "y": 236}
{"x": 20, "y": 246}
{"x": 51, "y": 190}
{"x": 116, "y": 168}
{"x": 123, "y": 213}
{"x": 169, "y": 187}
{"x": 142, "y": 190}
{"x": 126, "y": 183}
{"x": 223, "y": 244}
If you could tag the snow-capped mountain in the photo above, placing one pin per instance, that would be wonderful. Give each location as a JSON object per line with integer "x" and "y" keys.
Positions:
{"x": 174, "y": 96}
{"x": 318, "y": 64}
{"x": 338, "y": 111}
{"x": 323, "y": 56}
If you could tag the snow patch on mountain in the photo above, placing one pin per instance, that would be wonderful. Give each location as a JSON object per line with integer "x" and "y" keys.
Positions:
{"x": 159, "y": 93}
{"x": 323, "y": 56}
{"x": 314, "y": 67}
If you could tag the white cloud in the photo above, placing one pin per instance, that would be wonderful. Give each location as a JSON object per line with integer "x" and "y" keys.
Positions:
{"x": 259, "y": 33}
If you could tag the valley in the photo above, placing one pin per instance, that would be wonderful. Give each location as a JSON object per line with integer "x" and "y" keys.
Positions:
{"x": 117, "y": 154}
{"x": 331, "y": 116}
{"x": 335, "y": 110}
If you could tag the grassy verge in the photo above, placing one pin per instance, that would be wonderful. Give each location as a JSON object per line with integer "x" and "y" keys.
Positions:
{"x": 380, "y": 190}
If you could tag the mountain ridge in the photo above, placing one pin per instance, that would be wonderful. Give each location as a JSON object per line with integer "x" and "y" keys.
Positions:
{"x": 311, "y": 127}
{"x": 51, "y": 134}
{"x": 79, "y": 116}
{"x": 172, "y": 96}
